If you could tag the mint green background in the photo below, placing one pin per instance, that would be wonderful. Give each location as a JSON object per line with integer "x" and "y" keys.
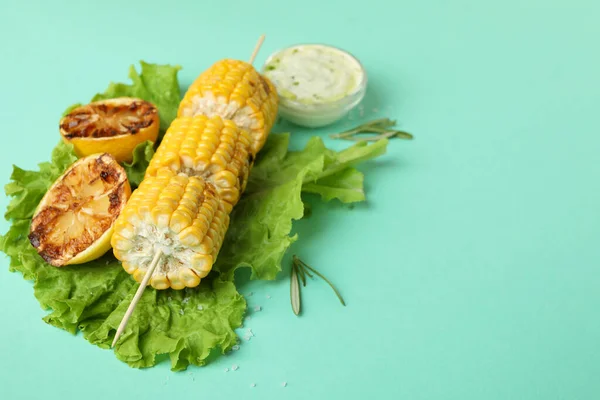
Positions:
{"x": 472, "y": 272}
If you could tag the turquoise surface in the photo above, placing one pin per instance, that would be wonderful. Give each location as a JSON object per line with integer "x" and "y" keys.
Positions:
{"x": 472, "y": 271}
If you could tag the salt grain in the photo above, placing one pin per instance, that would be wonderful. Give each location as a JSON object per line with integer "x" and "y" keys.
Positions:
{"x": 226, "y": 369}
{"x": 248, "y": 318}
{"x": 180, "y": 312}
{"x": 253, "y": 385}
{"x": 283, "y": 384}
{"x": 268, "y": 296}
{"x": 249, "y": 332}
{"x": 234, "y": 367}
{"x": 169, "y": 298}
{"x": 185, "y": 301}
{"x": 257, "y": 308}
{"x": 235, "y": 348}
{"x": 247, "y": 337}
{"x": 250, "y": 294}
{"x": 200, "y": 307}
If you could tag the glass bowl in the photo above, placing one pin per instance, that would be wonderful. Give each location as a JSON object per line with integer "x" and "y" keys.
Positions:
{"x": 318, "y": 114}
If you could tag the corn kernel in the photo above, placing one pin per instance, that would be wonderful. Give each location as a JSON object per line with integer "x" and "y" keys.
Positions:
{"x": 188, "y": 277}
{"x": 201, "y": 264}
{"x": 225, "y": 178}
{"x": 130, "y": 268}
{"x": 139, "y": 273}
{"x": 207, "y": 245}
{"x": 121, "y": 243}
{"x": 191, "y": 236}
{"x": 176, "y": 282}
{"x": 161, "y": 215}
{"x": 180, "y": 220}
{"x": 159, "y": 281}
{"x": 230, "y": 194}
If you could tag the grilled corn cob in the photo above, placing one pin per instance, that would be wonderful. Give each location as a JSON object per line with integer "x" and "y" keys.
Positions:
{"x": 181, "y": 216}
{"x": 209, "y": 147}
{"x": 233, "y": 89}
{"x": 180, "y": 212}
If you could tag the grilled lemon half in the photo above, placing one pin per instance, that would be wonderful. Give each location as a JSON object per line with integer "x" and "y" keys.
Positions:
{"x": 74, "y": 221}
{"x": 113, "y": 126}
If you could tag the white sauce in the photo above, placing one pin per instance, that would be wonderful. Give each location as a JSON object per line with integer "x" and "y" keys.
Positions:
{"x": 314, "y": 74}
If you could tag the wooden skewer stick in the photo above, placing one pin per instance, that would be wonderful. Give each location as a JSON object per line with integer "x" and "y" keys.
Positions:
{"x": 137, "y": 296}
{"x": 261, "y": 39}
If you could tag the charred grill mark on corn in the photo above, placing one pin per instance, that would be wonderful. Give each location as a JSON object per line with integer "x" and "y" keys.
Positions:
{"x": 181, "y": 216}
{"x": 233, "y": 89}
{"x": 209, "y": 147}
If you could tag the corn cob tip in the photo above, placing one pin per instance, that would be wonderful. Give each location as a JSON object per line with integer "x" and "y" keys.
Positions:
{"x": 181, "y": 216}
{"x": 234, "y": 90}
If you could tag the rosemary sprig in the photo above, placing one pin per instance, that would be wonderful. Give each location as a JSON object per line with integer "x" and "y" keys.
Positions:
{"x": 300, "y": 270}
{"x": 380, "y": 127}
{"x": 295, "y": 291}
{"x": 302, "y": 274}
{"x": 304, "y": 265}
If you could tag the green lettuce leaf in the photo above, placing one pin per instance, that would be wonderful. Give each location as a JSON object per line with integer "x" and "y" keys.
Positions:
{"x": 189, "y": 324}
{"x": 94, "y": 296}
{"x": 28, "y": 187}
{"x": 261, "y": 222}
{"x": 186, "y": 324}
{"x": 345, "y": 185}
{"x": 142, "y": 154}
{"x": 339, "y": 180}
{"x": 157, "y": 84}
{"x": 353, "y": 155}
